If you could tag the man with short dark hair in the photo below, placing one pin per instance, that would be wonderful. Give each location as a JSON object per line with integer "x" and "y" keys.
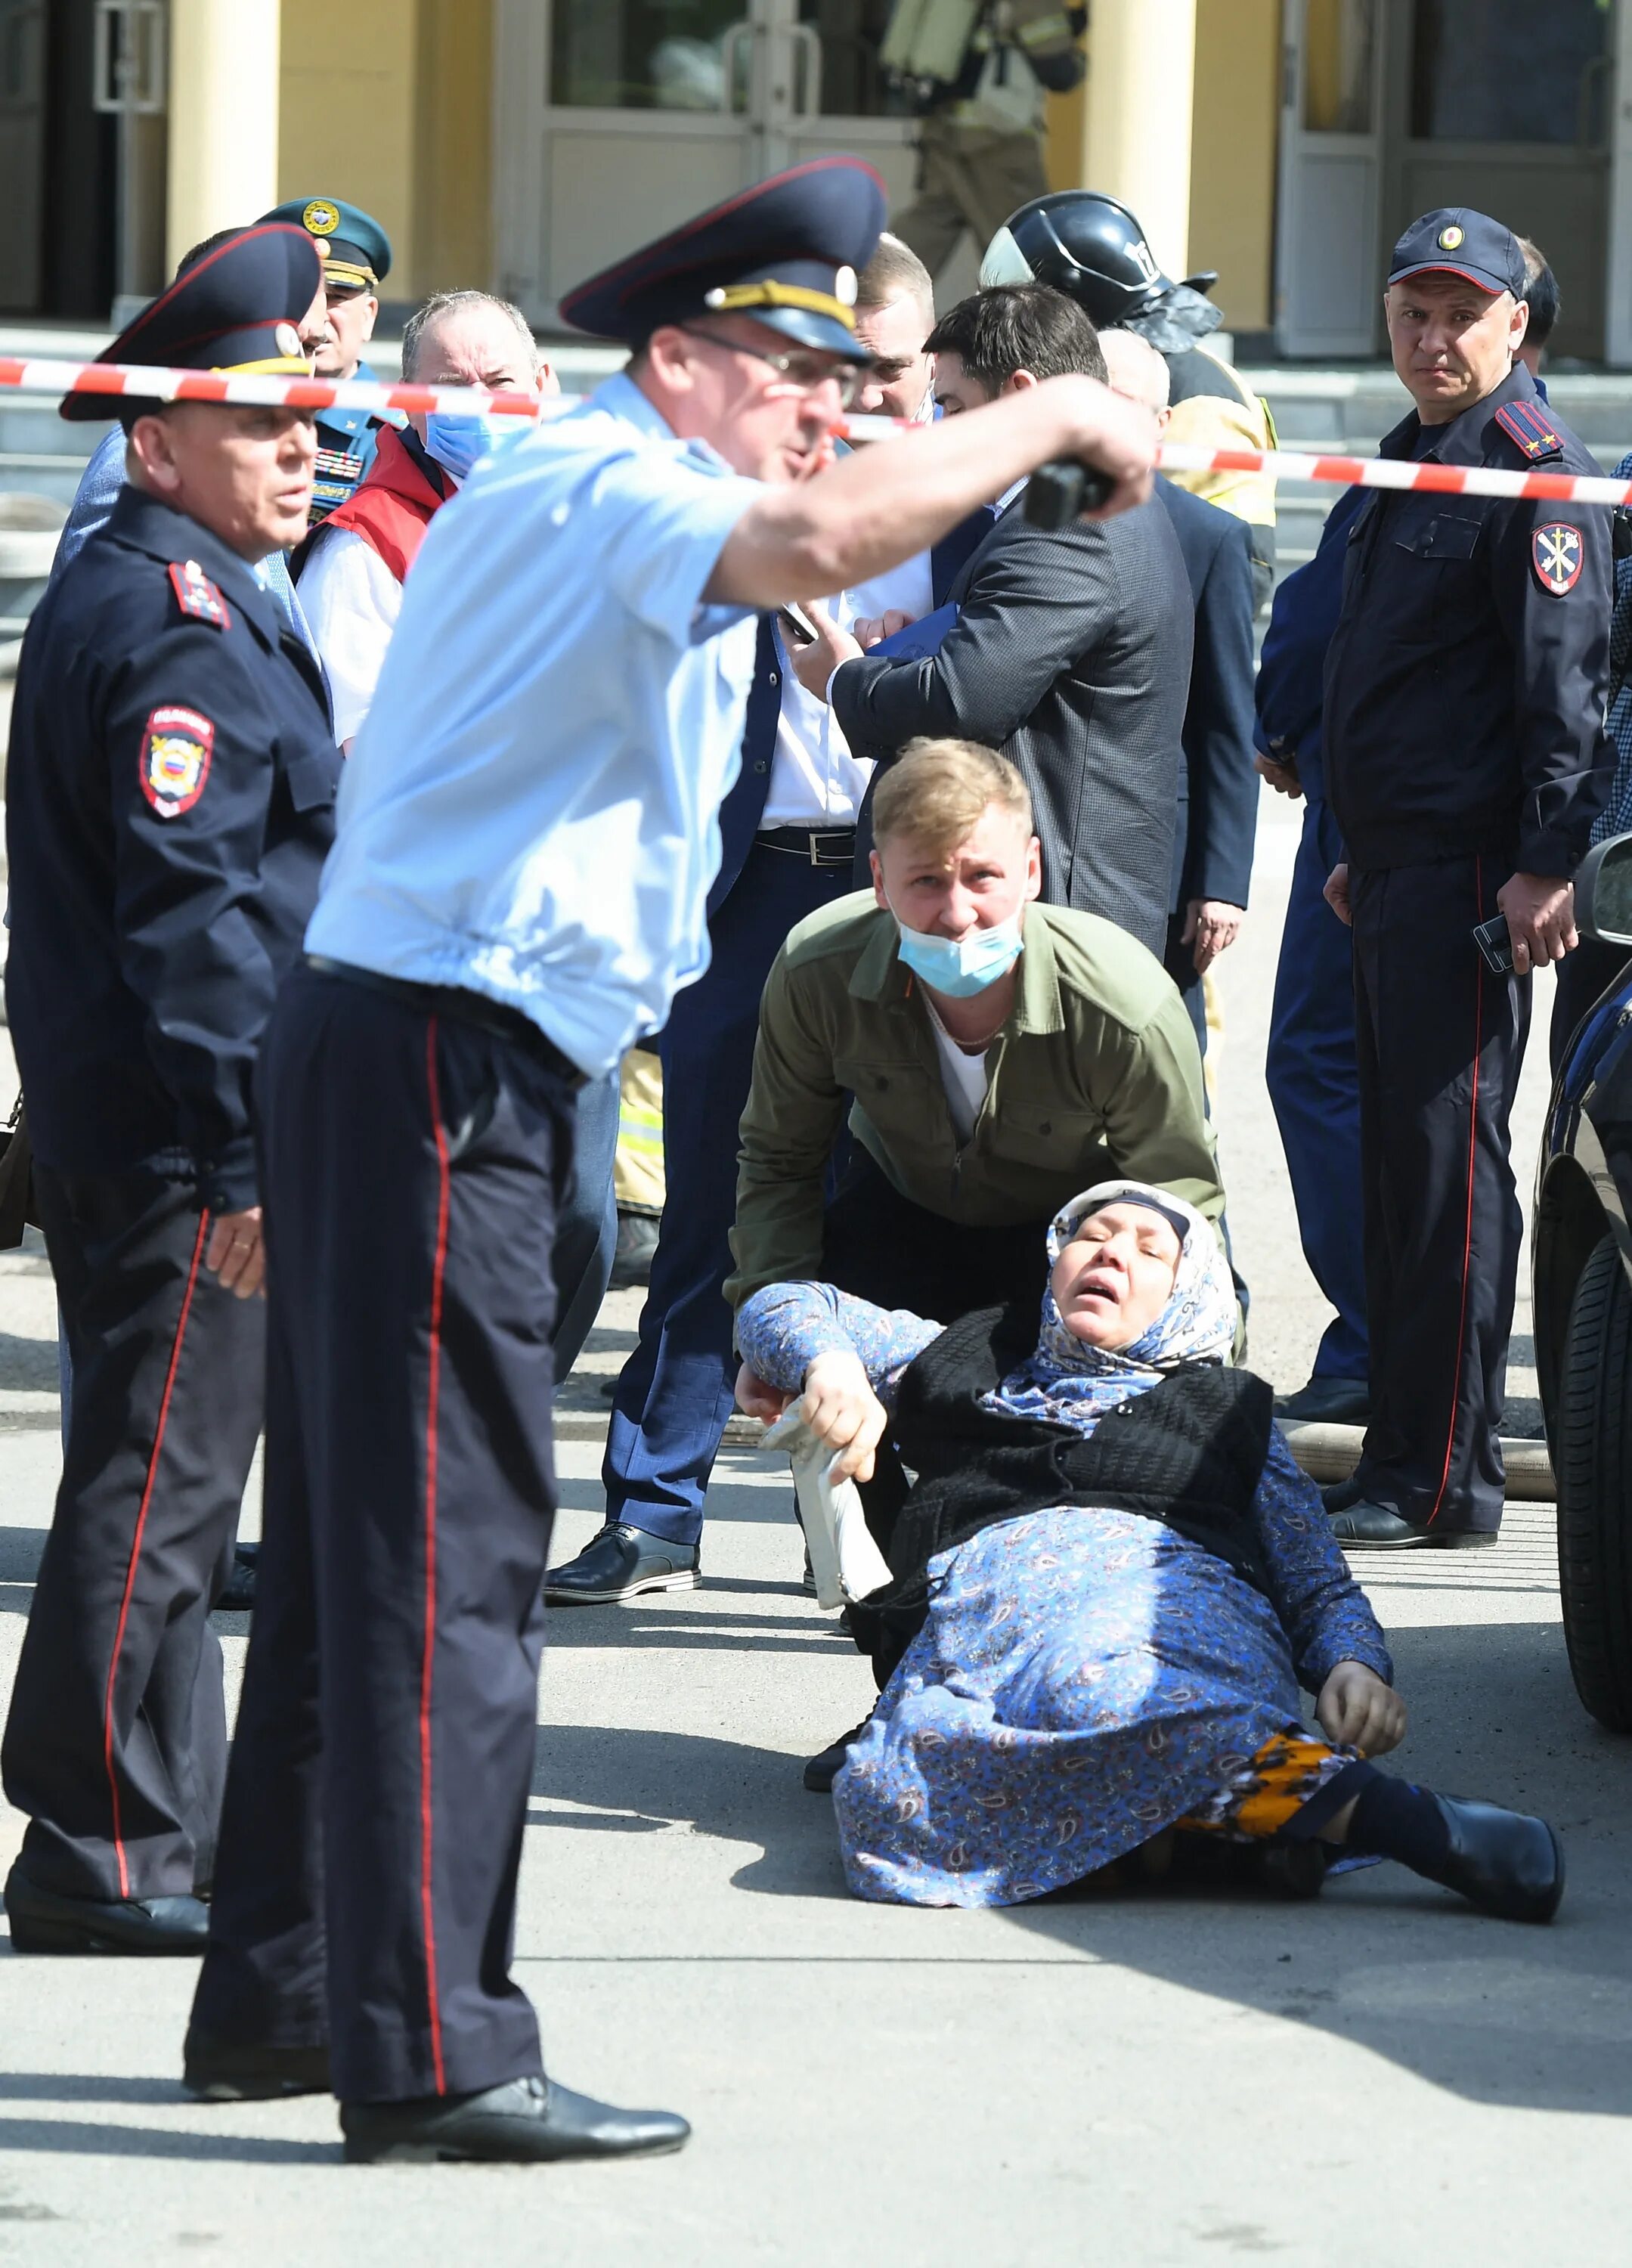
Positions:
{"x": 1540, "y": 296}
{"x": 1071, "y": 651}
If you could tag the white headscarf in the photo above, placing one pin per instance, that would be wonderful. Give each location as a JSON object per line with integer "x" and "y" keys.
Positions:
{"x": 1072, "y": 1383}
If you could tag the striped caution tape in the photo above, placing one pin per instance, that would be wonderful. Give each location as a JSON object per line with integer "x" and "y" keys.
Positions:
{"x": 114, "y": 379}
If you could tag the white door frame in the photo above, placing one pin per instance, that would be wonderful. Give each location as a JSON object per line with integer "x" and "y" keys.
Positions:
{"x": 1618, "y": 235}
{"x": 1300, "y": 149}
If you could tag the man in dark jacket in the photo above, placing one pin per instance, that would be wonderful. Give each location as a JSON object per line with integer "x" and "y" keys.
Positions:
{"x": 1218, "y": 785}
{"x": 1466, "y": 761}
{"x": 1071, "y": 651}
{"x": 171, "y": 797}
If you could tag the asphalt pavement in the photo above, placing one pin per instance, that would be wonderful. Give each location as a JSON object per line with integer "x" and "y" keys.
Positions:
{"x": 1380, "y": 2076}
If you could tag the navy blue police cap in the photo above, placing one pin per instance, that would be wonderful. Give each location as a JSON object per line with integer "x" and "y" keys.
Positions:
{"x": 1455, "y": 240}
{"x": 358, "y": 249}
{"x": 238, "y": 308}
{"x": 786, "y": 251}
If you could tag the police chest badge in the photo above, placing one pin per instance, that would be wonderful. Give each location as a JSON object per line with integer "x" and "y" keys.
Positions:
{"x": 176, "y": 749}
{"x": 1556, "y": 554}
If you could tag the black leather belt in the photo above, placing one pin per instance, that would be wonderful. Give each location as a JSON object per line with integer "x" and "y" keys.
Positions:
{"x": 460, "y": 1007}
{"x": 831, "y": 846}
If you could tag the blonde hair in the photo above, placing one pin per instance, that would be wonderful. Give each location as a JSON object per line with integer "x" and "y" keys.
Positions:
{"x": 935, "y": 792}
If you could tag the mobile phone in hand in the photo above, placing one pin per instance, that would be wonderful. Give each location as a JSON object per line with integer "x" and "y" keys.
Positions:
{"x": 797, "y": 624}
{"x": 1494, "y": 941}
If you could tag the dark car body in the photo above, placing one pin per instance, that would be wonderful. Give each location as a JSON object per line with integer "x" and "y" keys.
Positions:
{"x": 1583, "y": 1185}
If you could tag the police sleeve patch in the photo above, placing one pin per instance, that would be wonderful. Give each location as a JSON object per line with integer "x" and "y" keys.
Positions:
{"x": 176, "y": 749}
{"x": 1556, "y": 554}
{"x": 197, "y": 596}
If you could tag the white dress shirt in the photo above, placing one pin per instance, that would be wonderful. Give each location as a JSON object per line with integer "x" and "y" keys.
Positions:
{"x": 352, "y": 599}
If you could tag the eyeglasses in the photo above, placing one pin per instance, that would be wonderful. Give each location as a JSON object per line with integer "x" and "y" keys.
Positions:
{"x": 805, "y": 368}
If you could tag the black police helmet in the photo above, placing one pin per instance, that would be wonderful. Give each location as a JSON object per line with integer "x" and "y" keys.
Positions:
{"x": 1085, "y": 245}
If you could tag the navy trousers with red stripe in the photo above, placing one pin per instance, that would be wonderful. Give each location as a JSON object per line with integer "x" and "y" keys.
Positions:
{"x": 1440, "y": 1042}
{"x": 116, "y": 1745}
{"x": 366, "y": 1884}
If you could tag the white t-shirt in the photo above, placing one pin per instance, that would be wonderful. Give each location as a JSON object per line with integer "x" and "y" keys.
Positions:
{"x": 964, "y": 1078}
{"x": 352, "y": 599}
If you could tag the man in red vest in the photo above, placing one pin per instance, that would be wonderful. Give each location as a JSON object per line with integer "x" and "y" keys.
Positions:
{"x": 350, "y": 568}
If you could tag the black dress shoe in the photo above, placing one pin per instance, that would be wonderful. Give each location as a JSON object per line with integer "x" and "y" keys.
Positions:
{"x": 44, "y": 1921}
{"x": 1504, "y": 1862}
{"x": 822, "y": 1771}
{"x": 1328, "y": 1402}
{"x": 633, "y": 1254}
{"x": 524, "y": 2121}
{"x": 237, "y": 1592}
{"x": 622, "y": 1563}
{"x": 1367, "y": 1526}
{"x": 216, "y": 2070}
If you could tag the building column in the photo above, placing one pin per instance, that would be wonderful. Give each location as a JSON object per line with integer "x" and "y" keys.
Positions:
{"x": 223, "y": 83}
{"x": 1136, "y": 120}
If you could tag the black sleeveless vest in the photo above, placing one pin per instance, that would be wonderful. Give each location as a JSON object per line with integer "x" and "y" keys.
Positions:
{"x": 1189, "y": 1452}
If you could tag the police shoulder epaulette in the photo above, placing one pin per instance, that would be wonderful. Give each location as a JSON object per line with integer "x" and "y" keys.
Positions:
{"x": 197, "y": 596}
{"x": 1527, "y": 424}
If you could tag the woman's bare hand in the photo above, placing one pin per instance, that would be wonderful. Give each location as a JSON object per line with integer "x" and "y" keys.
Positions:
{"x": 1358, "y": 1711}
{"x": 841, "y": 1410}
{"x": 757, "y": 1398}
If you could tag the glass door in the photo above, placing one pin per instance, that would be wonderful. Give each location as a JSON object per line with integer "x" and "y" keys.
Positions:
{"x": 1327, "y": 283}
{"x": 616, "y": 119}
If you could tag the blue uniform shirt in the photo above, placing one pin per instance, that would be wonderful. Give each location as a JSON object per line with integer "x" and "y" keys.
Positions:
{"x": 532, "y": 808}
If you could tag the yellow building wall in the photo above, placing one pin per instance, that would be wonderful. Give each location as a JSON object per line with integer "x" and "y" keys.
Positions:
{"x": 387, "y": 103}
{"x": 1233, "y": 128}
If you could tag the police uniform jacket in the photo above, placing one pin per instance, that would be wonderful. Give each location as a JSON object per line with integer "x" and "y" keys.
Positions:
{"x": 1465, "y": 683}
{"x": 171, "y": 794}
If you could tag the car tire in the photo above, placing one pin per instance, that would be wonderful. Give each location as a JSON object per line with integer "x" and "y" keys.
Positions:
{"x": 1595, "y": 1488}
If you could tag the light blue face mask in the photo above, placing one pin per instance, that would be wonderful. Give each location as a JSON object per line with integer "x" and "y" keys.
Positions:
{"x": 459, "y": 443}
{"x": 960, "y": 966}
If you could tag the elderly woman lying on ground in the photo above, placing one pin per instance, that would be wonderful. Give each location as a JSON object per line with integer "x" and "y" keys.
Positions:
{"x": 1107, "y": 1583}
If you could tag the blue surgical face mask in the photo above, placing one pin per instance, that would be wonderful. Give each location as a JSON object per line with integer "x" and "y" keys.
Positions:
{"x": 960, "y": 966}
{"x": 459, "y": 443}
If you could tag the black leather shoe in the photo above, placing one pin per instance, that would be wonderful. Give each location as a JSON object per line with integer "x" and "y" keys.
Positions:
{"x": 44, "y": 1921}
{"x": 216, "y": 2070}
{"x": 822, "y": 1771}
{"x": 524, "y": 2121}
{"x": 237, "y": 1592}
{"x": 1364, "y": 1526}
{"x": 622, "y": 1563}
{"x": 1504, "y": 1862}
{"x": 1328, "y": 1402}
{"x": 633, "y": 1252}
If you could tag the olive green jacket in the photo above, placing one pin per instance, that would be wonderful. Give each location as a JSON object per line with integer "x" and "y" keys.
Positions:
{"x": 1095, "y": 1074}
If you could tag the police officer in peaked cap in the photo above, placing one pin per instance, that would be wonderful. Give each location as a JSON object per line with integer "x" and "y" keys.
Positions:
{"x": 517, "y": 893}
{"x": 355, "y": 252}
{"x": 1466, "y": 760}
{"x": 169, "y": 802}
{"x": 1086, "y": 245}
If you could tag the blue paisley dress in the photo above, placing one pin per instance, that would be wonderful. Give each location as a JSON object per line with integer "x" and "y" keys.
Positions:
{"x": 1083, "y": 1679}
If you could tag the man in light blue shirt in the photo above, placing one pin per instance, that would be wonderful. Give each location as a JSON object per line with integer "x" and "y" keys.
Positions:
{"x": 527, "y": 831}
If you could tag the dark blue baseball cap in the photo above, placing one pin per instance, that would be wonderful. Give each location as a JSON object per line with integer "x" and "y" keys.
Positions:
{"x": 786, "y": 251}
{"x": 1455, "y": 240}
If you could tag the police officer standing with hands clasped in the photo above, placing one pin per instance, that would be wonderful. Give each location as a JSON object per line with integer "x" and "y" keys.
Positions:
{"x": 1465, "y": 760}
{"x": 529, "y": 829}
{"x": 169, "y": 802}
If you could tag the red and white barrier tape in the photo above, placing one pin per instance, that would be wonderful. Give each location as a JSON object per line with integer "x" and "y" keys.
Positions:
{"x": 111, "y": 380}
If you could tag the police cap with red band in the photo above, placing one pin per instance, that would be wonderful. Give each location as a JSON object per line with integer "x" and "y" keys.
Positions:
{"x": 786, "y": 251}
{"x": 1456, "y": 241}
{"x": 238, "y": 308}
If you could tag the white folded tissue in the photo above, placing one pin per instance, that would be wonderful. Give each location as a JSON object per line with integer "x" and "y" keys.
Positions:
{"x": 845, "y": 1561}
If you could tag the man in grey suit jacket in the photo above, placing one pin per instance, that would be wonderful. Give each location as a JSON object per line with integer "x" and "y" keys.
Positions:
{"x": 1071, "y": 651}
